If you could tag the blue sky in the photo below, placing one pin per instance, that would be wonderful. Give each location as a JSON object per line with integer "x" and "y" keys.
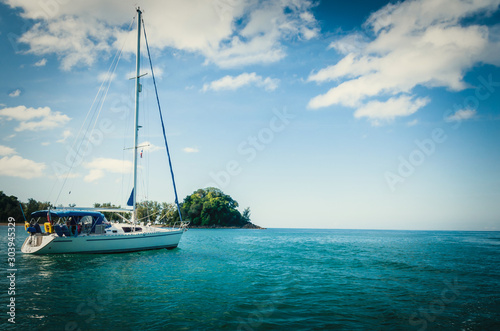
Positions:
{"x": 321, "y": 114}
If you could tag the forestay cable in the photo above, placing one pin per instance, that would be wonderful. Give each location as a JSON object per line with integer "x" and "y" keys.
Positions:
{"x": 162, "y": 125}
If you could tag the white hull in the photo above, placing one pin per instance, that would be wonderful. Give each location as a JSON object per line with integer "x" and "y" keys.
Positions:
{"x": 105, "y": 243}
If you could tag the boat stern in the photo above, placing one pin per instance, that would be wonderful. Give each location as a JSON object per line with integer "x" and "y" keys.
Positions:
{"x": 36, "y": 242}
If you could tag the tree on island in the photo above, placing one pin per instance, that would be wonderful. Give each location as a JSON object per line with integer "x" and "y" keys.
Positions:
{"x": 210, "y": 207}
{"x": 34, "y": 205}
{"x": 10, "y": 206}
{"x": 110, "y": 216}
{"x": 156, "y": 212}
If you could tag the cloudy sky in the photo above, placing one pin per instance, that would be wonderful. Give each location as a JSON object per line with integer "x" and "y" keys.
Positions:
{"x": 324, "y": 114}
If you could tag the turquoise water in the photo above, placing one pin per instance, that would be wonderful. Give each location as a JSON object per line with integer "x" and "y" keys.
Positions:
{"x": 267, "y": 279}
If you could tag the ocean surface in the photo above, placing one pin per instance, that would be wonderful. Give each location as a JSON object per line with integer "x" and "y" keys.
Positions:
{"x": 275, "y": 279}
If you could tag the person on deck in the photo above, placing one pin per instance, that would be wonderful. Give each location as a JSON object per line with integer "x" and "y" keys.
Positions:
{"x": 72, "y": 225}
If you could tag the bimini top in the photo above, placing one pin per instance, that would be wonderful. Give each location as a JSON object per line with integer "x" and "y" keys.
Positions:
{"x": 67, "y": 213}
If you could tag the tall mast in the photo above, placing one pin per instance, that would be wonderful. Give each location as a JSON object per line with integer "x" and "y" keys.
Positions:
{"x": 136, "y": 121}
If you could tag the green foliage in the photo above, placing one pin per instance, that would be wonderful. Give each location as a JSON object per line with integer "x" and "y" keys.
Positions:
{"x": 33, "y": 206}
{"x": 152, "y": 211}
{"x": 246, "y": 214}
{"x": 147, "y": 211}
{"x": 211, "y": 207}
{"x": 112, "y": 217}
{"x": 11, "y": 207}
{"x": 169, "y": 214}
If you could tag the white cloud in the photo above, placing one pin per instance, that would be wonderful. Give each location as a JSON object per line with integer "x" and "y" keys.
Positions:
{"x": 100, "y": 166}
{"x": 94, "y": 175}
{"x": 190, "y": 150}
{"x": 106, "y": 76}
{"x": 460, "y": 115}
{"x": 65, "y": 135}
{"x": 228, "y": 33}
{"x": 76, "y": 40}
{"x": 416, "y": 43}
{"x": 387, "y": 111}
{"x": 34, "y": 119}
{"x": 5, "y": 150}
{"x": 158, "y": 71}
{"x": 15, "y": 93}
{"x": 16, "y": 166}
{"x": 412, "y": 123}
{"x": 9, "y": 137}
{"x": 150, "y": 147}
{"x": 234, "y": 83}
{"x": 41, "y": 63}
{"x": 66, "y": 175}
{"x": 351, "y": 43}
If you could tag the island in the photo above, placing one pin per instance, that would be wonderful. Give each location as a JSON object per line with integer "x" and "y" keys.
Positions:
{"x": 210, "y": 208}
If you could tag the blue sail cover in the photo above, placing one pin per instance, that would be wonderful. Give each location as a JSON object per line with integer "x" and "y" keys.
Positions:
{"x": 130, "y": 201}
{"x": 99, "y": 217}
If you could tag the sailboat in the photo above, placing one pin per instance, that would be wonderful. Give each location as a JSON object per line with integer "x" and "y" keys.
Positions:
{"x": 86, "y": 230}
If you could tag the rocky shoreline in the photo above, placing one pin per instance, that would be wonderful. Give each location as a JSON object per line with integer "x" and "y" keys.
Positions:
{"x": 247, "y": 226}
{"x": 17, "y": 223}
